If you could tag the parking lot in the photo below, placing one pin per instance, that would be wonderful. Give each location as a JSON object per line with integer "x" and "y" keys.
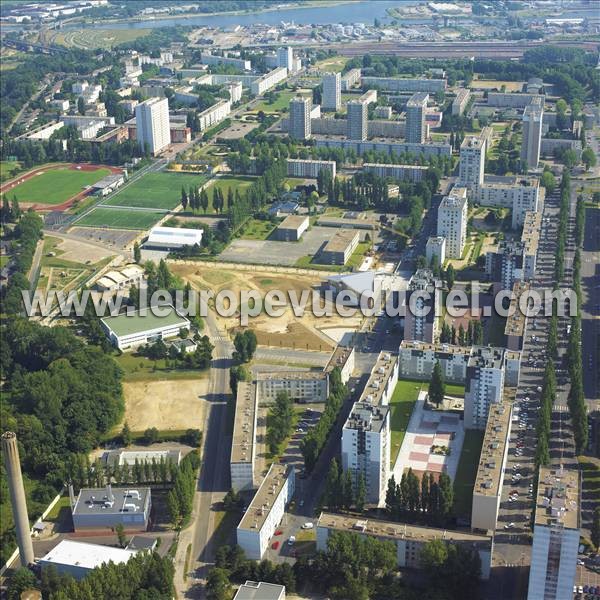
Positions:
{"x": 271, "y": 252}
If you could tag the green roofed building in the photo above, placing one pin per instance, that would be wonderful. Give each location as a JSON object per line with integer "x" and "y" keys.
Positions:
{"x": 143, "y": 327}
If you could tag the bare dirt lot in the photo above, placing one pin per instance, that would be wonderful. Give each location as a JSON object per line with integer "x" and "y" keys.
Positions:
{"x": 166, "y": 405}
{"x": 303, "y": 332}
{"x": 82, "y": 252}
{"x": 113, "y": 238}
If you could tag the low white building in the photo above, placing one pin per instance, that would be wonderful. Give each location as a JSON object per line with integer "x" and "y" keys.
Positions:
{"x": 172, "y": 238}
{"x": 260, "y": 521}
{"x": 292, "y": 228}
{"x": 77, "y": 559}
{"x": 130, "y": 330}
{"x": 309, "y": 168}
{"x": 417, "y": 360}
{"x": 124, "y": 278}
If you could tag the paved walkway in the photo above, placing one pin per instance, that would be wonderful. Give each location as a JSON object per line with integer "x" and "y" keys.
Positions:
{"x": 427, "y": 428}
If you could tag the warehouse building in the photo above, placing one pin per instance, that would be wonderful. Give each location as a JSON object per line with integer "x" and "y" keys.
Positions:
{"x": 100, "y": 510}
{"x": 172, "y": 238}
{"x": 77, "y": 559}
{"x": 127, "y": 331}
{"x": 339, "y": 249}
{"x": 109, "y": 184}
{"x": 292, "y": 228}
{"x": 260, "y": 521}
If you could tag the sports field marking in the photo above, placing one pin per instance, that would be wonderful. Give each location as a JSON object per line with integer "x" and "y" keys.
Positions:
{"x": 116, "y": 218}
{"x": 155, "y": 190}
{"x": 56, "y": 186}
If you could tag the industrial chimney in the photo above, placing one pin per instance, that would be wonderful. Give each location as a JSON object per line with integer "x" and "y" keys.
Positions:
{"x": 17, "y": 497}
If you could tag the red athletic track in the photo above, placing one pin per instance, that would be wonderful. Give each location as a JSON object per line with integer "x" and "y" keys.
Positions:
{"x": 15, "y": 181}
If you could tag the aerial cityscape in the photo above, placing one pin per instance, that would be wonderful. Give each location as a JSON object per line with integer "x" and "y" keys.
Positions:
{"x": 300, "y": 299}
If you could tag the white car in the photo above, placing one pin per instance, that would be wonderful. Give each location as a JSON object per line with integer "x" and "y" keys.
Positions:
{"x": 292, "y": 540}
{"x": 308, "y": 526}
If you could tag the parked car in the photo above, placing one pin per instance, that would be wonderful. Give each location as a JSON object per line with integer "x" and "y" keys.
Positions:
{"x": 275, "y": 545}
{"x": 292, "y": 540}
{"x": 307, "y": 526}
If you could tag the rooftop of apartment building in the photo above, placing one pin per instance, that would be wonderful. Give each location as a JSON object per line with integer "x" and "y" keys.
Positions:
{"x": 486, "y": 357}
{"x": 378, "y": 139}
{"x": 243, "y": 427}
{"x": 424, "y": 346}
{"x": 340, "y": 356}
{"x": 381, "y": 372}
{"x": 418, "y": 99}
{"x": 531, "y": 231}
{"x": 423, "y": 279}
{"x": 557, "y": 497}
{"x": 400, "y": 531}
{"x": 472, "y": 142}
{"x": 262, "y": 503}
{"x": 290, "y": 375}
{"x": 367, "y": 416}
{"x": 453, "y": 201}
{"x": 515, "y": 322}
{"x": 511, "y": 182}
{"x": 489, "y": 471}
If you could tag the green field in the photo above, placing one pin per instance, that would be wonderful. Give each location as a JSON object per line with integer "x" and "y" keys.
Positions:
{"x": 117, "y": 218}
{"x": 57, "y": 185}
{"x": 255, "y": 229}
{"x": 335, "y": 64}
{"x": 7, "y": 168}
{"x": 467, "y": 472}
{"x": 239, "y": 182}
{"x": 280, "y": 104}
{"x": 401, "y": 405}
{"x": 155, "y": 190}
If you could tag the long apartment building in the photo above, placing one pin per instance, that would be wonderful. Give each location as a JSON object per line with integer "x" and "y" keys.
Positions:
{"x": 516, "y": 321}
{"x": 421, "y": 303}
{"x": 350, "y": 79}
{"x": 487, "y": 490}
{"x": 412, "y": 173}
{"x": 206, "y": 58}
{"x": 366, "y": 435}
{"x": 397, "y": 84}
{"x": 309, "y": 168}
{"x": 268, "y": 80}
{"x": 459, "y": 104}
{"x": 510, "y": 100}
{"x": 243, "y": 445}
{"x": 263, "y": 516}
{"x": 484, "y": 384}
{"x": 407, "y": 539}
{"x": 521, "y": 196}
{"x": 342, "y": 358}
{"x": 302, "y": 386}
{"x": 389, "y": 145}
{"x": 555, "y": 535}
{"x": 530, "y": 238}
{"x": 214, "y": 114}
{"x": 417, "y": 360}
{"x": 452, "y": 221}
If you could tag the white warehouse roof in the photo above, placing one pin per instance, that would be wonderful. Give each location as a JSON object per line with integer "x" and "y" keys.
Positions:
{"x": 85, "y": 556}
{"x": 174, "y": 237}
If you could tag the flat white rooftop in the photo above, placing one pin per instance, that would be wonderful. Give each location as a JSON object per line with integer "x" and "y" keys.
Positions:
{"x": 84, "y": 555}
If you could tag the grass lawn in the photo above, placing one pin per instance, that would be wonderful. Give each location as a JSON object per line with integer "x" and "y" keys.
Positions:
{"x": 280, "y": 104}
{"x": 7, "y": 168}
{"x": 334, "y": 65}
{"x": 467, "y": 472}
{"x": 57, "y": 185}
{"x": 117, "y": 218}
{"x": 256, "y": 229}
{"x": 4, "y": 261}
{"x": 62, "y": 505}
{"x": 358, "y": 255}
{"x": 455, "y": 390}
{"x": 306, "y": 262}
{"x": 224, "y": 528}
{"x": 240, "y": 182}
{"x": 155, "y": 190}
{"x": 140, "y": 368}
{"x": 401, "y": 405}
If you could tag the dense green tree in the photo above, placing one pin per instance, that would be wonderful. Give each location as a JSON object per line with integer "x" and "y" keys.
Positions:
{"x": 437, "y": 387}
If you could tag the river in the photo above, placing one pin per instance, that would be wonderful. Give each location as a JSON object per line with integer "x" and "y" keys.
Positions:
{"x": 356, "y": 12}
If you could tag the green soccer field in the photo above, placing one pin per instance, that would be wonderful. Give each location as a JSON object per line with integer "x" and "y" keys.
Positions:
{"x": 56, "y": 186}
{"x": 155, "y": 190}
{"x": 118, "y": 218}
